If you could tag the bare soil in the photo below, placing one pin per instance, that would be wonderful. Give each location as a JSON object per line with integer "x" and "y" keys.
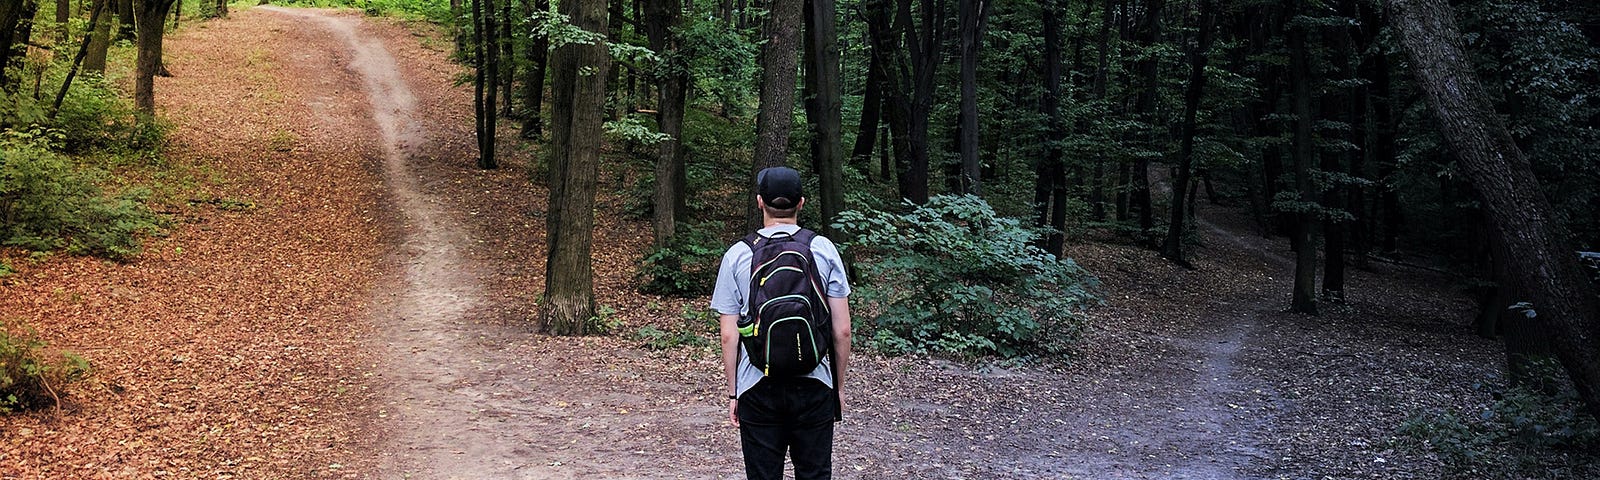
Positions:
{"x": 372, "y": 318}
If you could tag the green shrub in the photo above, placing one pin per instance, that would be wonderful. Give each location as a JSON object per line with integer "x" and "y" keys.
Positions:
{"x": 47, "y": 204}
{"x": 687, "y": 265}
{"x": 1540, "y": 415}
{"x": 696, "y": 330}
{"x": 952, "y": 277}
{"x": 30, "y": 376}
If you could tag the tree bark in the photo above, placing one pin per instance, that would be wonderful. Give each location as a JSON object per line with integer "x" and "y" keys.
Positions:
{"x": 1048, "y": 170}
{"x": 779, "y": 64}
{"x": 100, "y": 42}
{"x": 971, "y": 17}
{"x": 579, "y": 92}
{"x": 1545, "y": 266}
{"x": 1172, "y": 247}
{"x": 661, "y": 16}
{"x": 1149, "y": 73}
{"x": 10, "y": 15}
{"x": 537, "y": 55}
{"x": 491, "y": 88}
{"x": 83, "y": 51}
{"x": 126, "y": 20}
{"x": 151, "y": 18}
{"x": 822, "y": 110}
{"x": 871, "y": 114}
{"x": 1304, "y": 298}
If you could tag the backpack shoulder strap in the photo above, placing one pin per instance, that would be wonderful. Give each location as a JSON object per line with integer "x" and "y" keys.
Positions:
{"x": 752, "y": 240}
{"x": 805, "y": 235}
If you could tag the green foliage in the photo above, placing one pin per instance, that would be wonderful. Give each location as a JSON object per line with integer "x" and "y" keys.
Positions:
{"x": 46, "y": 203}
{"x": 32, "y": 376}
{"x": 605, "y": 320}
{"x": 1523, "y": 420}
{"x": 721, "y": 61}
{"x": 695, "y": 331}
{"x": 687, "y": 265}
{"x": 952, "y": 277}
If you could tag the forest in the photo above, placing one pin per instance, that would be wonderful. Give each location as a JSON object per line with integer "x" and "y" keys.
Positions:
{"x": 1137, "y": 238}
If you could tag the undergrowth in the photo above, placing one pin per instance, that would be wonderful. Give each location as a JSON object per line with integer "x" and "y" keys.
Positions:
{"x": 1510, "y": 435}
{"x": 33, "y": 376}
{"x": 953, "y": 277}
{"x": 695, "y": 328}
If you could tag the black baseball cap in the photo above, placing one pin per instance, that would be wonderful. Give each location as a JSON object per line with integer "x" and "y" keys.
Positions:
{"x": 779, "y": 187}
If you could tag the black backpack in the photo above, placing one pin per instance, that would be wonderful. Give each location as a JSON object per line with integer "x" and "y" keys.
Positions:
{"x": 788, "y": 328}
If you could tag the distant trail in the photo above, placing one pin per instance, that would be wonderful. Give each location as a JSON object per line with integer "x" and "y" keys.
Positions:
{"x": 441, "y": 410}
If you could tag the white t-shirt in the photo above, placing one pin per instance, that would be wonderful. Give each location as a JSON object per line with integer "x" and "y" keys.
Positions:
{"x": 733, "y": 282}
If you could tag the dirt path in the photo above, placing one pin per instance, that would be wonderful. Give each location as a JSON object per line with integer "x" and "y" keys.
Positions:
{"x": 1182, "y": 374}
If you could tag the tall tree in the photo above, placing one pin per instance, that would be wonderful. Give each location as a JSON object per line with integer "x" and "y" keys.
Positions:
{"x": 150, "y": 18}
{"x": 1545, "y": 266}
{"x": 94, "y": 18}
{"x": 822, "y": 108}
{"x": 1199, "y": 54}
{"x": 780, "y": 58}
{"x": 486, "y": 80}
{"x": 577, "y": 100}
{"x": 661, "y": 19}
{"x": 1145, "y": 105}
{"x": 971, "y": 18}
{"x": 1048, "y": 170}
{"x": 126, "y": 20}
{"x": 1304, "y": 298}
{"x": 533, "y": 76}
{"x": 909, "y": 55}
{"x": 100, "y": 41}
{"x": 11, "y": 13}
{"x": 871, "y": 115}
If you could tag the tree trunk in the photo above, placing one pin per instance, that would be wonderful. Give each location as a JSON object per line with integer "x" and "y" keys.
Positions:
{"x": 126, "y": 20}
{"x": 10, "y": 15}
{"x": 822, "y": 109}
{"x": 779, "y": 61}
{"x": 482, "y": 94}
{"x": 1545, "y": 266}
{"x": 1336, "y": 105}
{"x": 1102, "y": 74}
{"x": 1304, "y": 299}
{"x": 222, "y": 8}
{"x": 506, "y": 60}
{"x": 923, "y": 45}
{"x": 533, "y": 82}
{"x": 151, "y": 21}
{"x": 577, "y": 103}
{"x": 94, "y": 19}
{"x": 491, "y": 88}
{"x": 1149, "y": 73}
{"x": 1172, "y": 247}
{"x": 100, "y": 42}
{"x": 63, "y": 14}
{"x": 871, "y": 112}
{"x": 661, "y": 17}
{"x": 1048, "y": 171}
{"x": 972, "y": 14}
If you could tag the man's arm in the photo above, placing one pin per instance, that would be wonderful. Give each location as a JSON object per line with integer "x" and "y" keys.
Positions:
{"x": 729, "y": 325}
{"x": 840, "y": 307}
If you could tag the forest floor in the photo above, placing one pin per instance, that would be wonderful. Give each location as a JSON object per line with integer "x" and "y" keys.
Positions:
{"x": 349, "y": 297}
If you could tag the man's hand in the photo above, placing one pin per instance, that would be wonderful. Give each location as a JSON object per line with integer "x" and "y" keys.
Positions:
{"x": 733, "y": 411}
{"x": 841, "y": 403}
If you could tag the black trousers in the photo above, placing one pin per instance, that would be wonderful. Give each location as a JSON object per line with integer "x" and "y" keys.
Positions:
{"x": 792, "y": 416}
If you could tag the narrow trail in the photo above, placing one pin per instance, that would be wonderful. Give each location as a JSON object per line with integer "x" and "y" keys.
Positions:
{"x": 1180, "y": 375}
{"x": 439, "y": 424}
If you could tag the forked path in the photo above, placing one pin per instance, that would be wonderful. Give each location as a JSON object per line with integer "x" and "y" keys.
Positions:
{"x": 468, "y": 398}
{"x": 442, "y": 419}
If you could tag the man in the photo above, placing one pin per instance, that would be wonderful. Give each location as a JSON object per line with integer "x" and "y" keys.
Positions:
{"x": 779, "y": 413}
